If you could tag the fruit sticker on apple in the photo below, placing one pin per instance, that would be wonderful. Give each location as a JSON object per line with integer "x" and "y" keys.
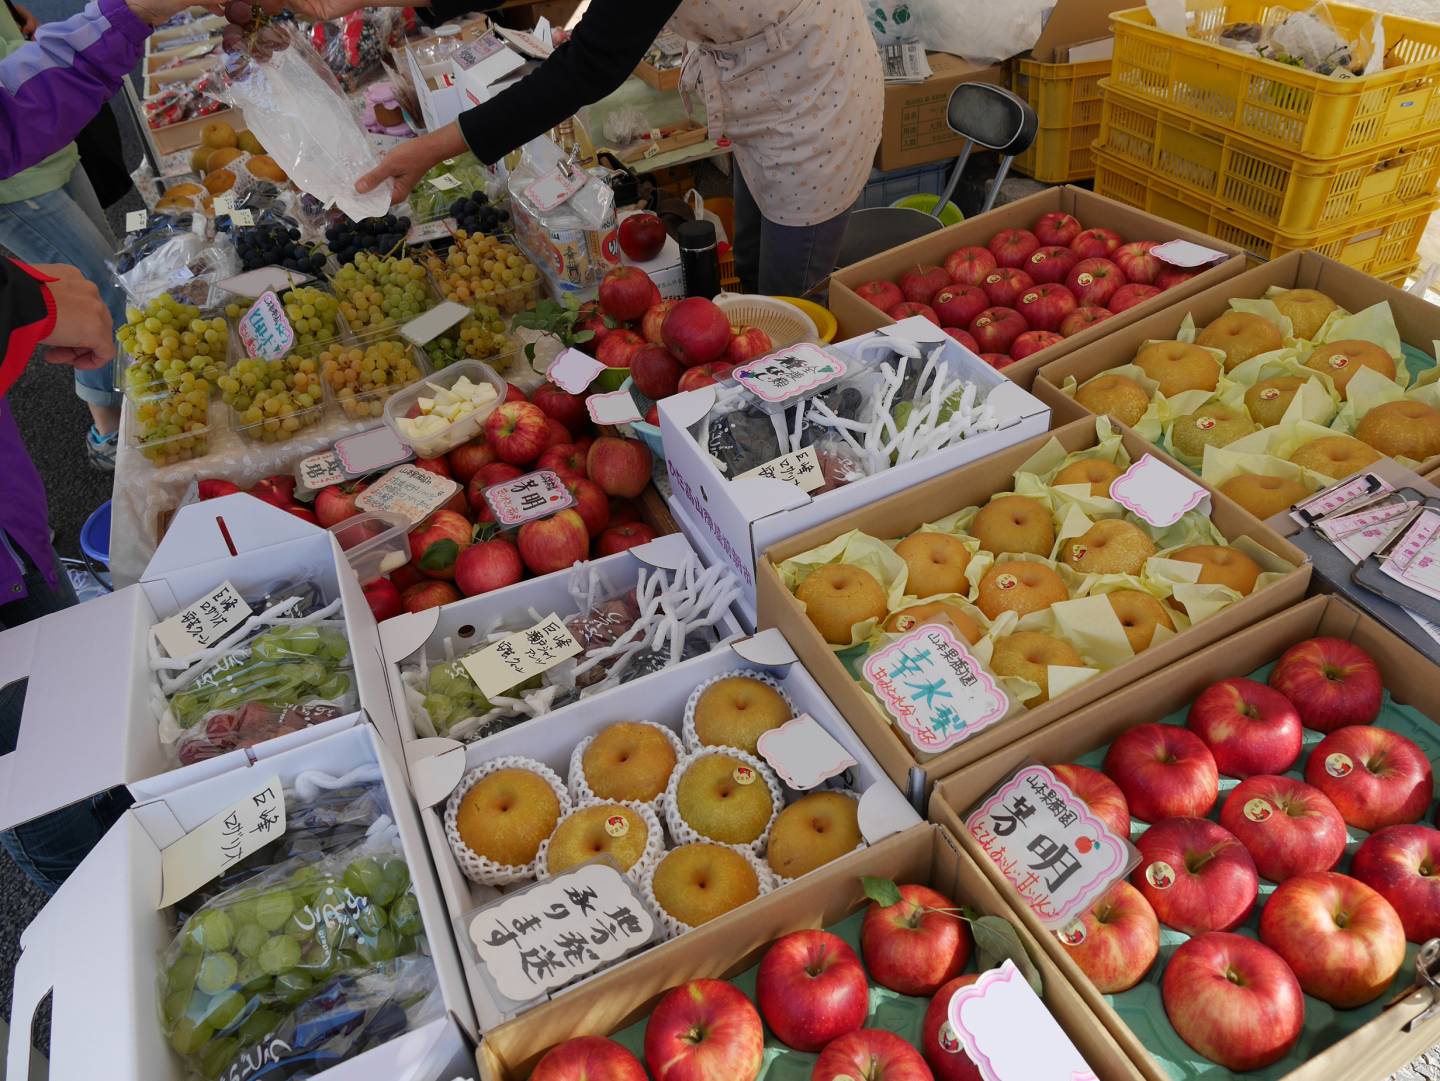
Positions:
{"x": 800, "y": 369}
{"x": 1009, "y": 1034}
{"x": 1057, "y": 853}
{"x": 934, "y": 687}
{"x": 535, "y": 495}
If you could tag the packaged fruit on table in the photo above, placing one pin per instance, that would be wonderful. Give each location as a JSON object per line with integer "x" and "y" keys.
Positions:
{"x": 488, "y": 269}
{"x": 458, "y": 180}
{"x": 479, "y": 336}
{"x": 446, "y": 409}
{"x": 172, "y": 427}
{"x": 273, "y": 400}
{"x": 376, "y": 236}
{"x": 362, "y": 374}
{"x": 382, "y": 290}
{"x": 171, "y": 346}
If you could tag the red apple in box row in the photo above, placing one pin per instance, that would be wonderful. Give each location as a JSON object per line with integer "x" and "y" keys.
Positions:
{"x": 1012, "y": 247}
{"x": 920, "y": 283}
{"x": 1164, "y": 771}
{"x": 958, "y": 305}
{"x": 884, "y": 295}
{"x": 916, "y": 944}
{"x": 1127, "y": 296}
{"x": 1032, "y": 341}
{"x": 1083, "y": 319}
{"x": 1375, "y": 777}
{"x": 1136, "y": 262}
{"x": 871, "y": 1054}
{"x": 1051, "y": 265}
{"x": 968, "y": 266}
{"x": 1099, "y": 793}
{"x": 1288, "y": 827}
{"x": 1099, "y": 243}
{"x": 704, "y": 1030}
{"x": 995, "y": 329}
{"x": 1196, "y": 875}
{"x": 1402, "y": 864}
{"x": 1116, "y": 941}
{"x": 942, "y": 1049}
{"x": 965, "y": 338}
{"x": 1332, "y": 682}
{"x": 1004, "y": 285}
{"x": 1249, "y": 727}
{"x": 1046, "y": 306}
{"x": 907, "y": 309}
{"x": 588, "y": 1058}
{"x": 1094, "y": 282}
{"x": 1058, "y": 228}
{"x": 811, "y": 989}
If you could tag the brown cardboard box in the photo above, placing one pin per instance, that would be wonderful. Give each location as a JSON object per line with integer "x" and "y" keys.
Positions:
{"x": 916, "y": 131}
{"x": 970, "y": 486}
{"x": 1417, "y": 321}
{"x": 1074, "y": 22}
{"x": 731, "y": 944}
{"x": 1372, "y": 1051}
{"x": 857, "y": 317}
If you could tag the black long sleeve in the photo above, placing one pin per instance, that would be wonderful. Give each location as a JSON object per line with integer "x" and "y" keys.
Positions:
{"x": 602, "y": 52}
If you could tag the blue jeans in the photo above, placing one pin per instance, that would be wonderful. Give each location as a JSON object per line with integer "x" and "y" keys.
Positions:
{"x": 782, "y": 260}
{"x": 48, "y": 848}
{"x": 68, "y": 226}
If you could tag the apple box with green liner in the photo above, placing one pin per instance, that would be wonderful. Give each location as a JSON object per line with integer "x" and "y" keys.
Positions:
{"x": 857, "y": 316}
{"x": 438, "y": 768}
{"x": 1358, "y": 1042}
{"x": 618, "y": 1003}
{"x": 868, "y": 534}
{"x": 1404, "y": 326}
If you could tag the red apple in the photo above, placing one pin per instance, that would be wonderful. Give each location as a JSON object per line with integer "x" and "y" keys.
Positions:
{"x": 1288, "y": 827}
{"x": 599, "y": 325}
{"x": 1171, "y": 277}
{"x": 489, "y": 565}
{"x": 969, "y": 266}
{"x": 1051, "y": 265}
{"x": 1032, "y": 341}
{"x": 624, "y": 511}
{"x": 514, "y": 393}
{"x": 938, "y": 1043}
{"x": 406, "y": 576}
{"x": 466, "y": 459}
{"x": 619, "y": 348}
{"x": 656, "y": 373}
{"x": 588, "y": 1058}
{"x": 1164, "y": 771}
{"x": 1128, "y": 296}
{"x": 1136, "y": 262}
{"x": 1375, "y": 777}
{"x": 1332, "y": 682}
{"x": 997, "y": 360}
{"x": 811, "y": 988}
{"x": 704, "y": 1030}
{"x": 1096, "y": 243}
{"x": 458, "y": 503}
{"x": 703, "y": 375}
{"x": 277, "y": 490}
{"x": 622, "y": 537}
{"x": 870, "y": 1054}
{"x": 1342, "y": 940}
{"x": 1100, "y": 794}
{"x": 1094, "y": 282}
{"x": 487, "y": 476}
{"x": 654, "y": 319}
{"x": 652, "y": 415}
{"x": 1196, "y": 875}
{"x": 518, "y": 431}
{"x": 439, "y": 466}
{"x": 566, "y": 459}
{"x": 1046, "y": 306}
{"x": 920, "y": 283}
{"x": 747, "y": 343}
{"x": 556, "y": 435}
{"x": 913, "y": 946}
{"x": 560, "y": 405}
{"x": 642, "y": 236}
{"x": 437, "y": 542}
{"x": 1005, "y": 285}
{"x": 214, "y": 487}
{"x": 619, "y": 466}
{"x": 884, "y": 295}
{"x": 1115, "y": 941}
{"x": 554, "y": 543}
{"x": 995, "y": 329}
{"x": 590, "y": 504}
{"x": 964, "y": 337}
{"x": 335, "y": 503}
{"x": 958, "y": 305}
{"x": 626, "y": 292}
{"x": 1402, "y": 864}
{"x": 696, "y": 332}
{"x": 908, "y": 308}
{"x": 1083, "y": 319}
{"x": 1057, "y": 228}
{"x": 1249, "y": 727}
{"x": 1011, "y": 247}
{"x": 383, "y": 599}
{"x": 1233, "y": 1000}
{"x": 423, "y": 595}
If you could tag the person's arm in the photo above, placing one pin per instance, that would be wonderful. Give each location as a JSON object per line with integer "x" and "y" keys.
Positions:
{"x": 55, "y": 307}
{"x": 27, "y": 315}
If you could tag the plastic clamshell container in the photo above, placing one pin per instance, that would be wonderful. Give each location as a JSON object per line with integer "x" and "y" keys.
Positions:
{"x": 375, "y": 543}
{"x": 170, "y": 449}
{"x": 510, "y": 300}
{"x": 459, "y": 431}
{"x": 158, "y": 388}
{"x": 370, "y": 402}
{"x": 278, "y": 428}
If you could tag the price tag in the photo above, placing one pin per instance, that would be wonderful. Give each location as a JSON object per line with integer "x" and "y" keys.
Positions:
{"x": 479, "y": 50}
{"x": 934, "y": 688}
{"x": 409, "y": 492}
{"x": 1051, "y": 847}
{"x": 319, "y": 471}
{"x": 555, "y": 187}
{"x": 254, "y": 282}
{"x": 1009, "y": 1034}
{"x": 613, "y": 407}
{"x": 559, "y": 930}
{"x": 444, "y": 182}
{"x": 430, "y": 230}
{"x": 516, "y": 657}
{"x": 135, "y": 221}
{"x": 224, "y": 203}
{"x": 573, "y": 371}
{"x": 242, "y": 217}
{"x": 206, "y": 853}
{"x": 204, "y": 623}
{"x": 789, "y": 373}
{"x": 535, "y": 495}
{"x": 800, "y": 468}
{"x": 1362, "y": 488}
{"x": 264, "y": 331}
{"x": 1182, "y": 253}
{"x": 803, "y": 753}
{"x": 437, "y": 320}
{"x": 1158, "y": 494}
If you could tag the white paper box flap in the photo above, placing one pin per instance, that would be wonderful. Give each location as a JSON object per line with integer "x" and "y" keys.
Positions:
{"x": 195, "y": 535}
{"x": 668, "y": 552}
{"x": 691, "y": 407}
{"x": 884, "y": 810}
{"x": 768, "y": 648}
{"x": 402, "y": 635}
{"x": 436, "y": 766}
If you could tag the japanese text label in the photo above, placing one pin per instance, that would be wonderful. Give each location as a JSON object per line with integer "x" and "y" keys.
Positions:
{"x": 516, "y": 657}
{"x": 800, "y": 468}
{"x": 789, "y": 373}
{"x": 204, "y": 623}
{"x": 264, "y": 331}
{"x": 535, "y": 495}
{"x": 934, "y": 688}
{"x": 246, "y": 826}
{"x": 319, "y": 471}
{"x": 409, "y": 491}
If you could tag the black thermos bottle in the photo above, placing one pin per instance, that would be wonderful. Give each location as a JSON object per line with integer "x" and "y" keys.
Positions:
{"x": 699, "y": 259}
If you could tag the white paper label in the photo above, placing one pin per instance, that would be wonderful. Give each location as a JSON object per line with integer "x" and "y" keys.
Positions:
{"x": 204, "y": 623}
{"x": 803, "y": 753}
{"x": 437, "y": 320}
{"x": 573, "y": 371}
{"x": 614, "y": 407}
{"x": 560, "y": 930}
{"x": 1156, "y": 493}
{"x": 787, "y": 373}
{"x": 264, "y": 331}
{"x": 408, "y": 491}
{"x": 206, "y": 853}
{"x": 242, "y": 217}
{"x": 430, "y": 230}
{"x": 1049, "y": 845}
{"x": 1009, "y": 1034}
{"x": 554, "y": 188}
{"x": 934, "y": 688}
{"x": 482, "y": 48}
{"x": 1182, "y": 253}
{"x": 443, "y": 182}
{"x": 135, "y": 221}
{"x": 319, "y": 471}
{"x": 223, "y": 203}
{"x": 369, "y": 452}
{"x": 254, "y": 282}
{"x": 535, "y": 495}
{"x": 800, "y": 468}
{"x": 516, "y": 657}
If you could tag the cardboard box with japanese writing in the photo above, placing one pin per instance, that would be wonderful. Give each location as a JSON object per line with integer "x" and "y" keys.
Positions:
{"x": 916, "y": 131}
{"x": 857, "y": 316}
{"x": 1368, "y": 1041}
{"x": 733, "y": 521}
{"x": 896, "y": 516}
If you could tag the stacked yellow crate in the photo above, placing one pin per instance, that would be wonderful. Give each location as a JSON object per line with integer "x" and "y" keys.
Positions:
{"x": 1271, "y": 157}
{"x": 1066, "y": 100}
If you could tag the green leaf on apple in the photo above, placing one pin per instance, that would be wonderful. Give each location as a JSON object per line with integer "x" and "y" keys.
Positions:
{"x": 584, "y": 336}
{"x": 439, "y": 555}
{"x": 880, "y": 890}
{"x": 996, "y": 941}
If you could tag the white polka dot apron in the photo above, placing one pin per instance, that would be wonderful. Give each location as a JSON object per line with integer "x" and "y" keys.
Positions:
{"x": 800, "y": 94}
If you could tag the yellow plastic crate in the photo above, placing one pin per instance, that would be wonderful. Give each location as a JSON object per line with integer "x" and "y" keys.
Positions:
{"x": 1293, "y": 195}
{"x": 1383, "y": 245}
{"x": 1066, "y": 100}
{"x": 1285, "y": 107}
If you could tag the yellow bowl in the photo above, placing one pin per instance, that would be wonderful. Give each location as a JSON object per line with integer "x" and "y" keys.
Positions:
{"x": 825, "y": 323}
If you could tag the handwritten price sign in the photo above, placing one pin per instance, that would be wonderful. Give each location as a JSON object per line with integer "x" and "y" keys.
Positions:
{"x": 934, "y": 688}
{"x": 264, "y": 330}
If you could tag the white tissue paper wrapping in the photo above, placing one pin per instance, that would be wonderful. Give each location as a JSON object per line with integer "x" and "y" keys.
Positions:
{"x": 978, "y": 30}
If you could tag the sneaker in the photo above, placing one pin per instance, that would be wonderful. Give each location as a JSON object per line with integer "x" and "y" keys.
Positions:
{"x": 100, "y": 449}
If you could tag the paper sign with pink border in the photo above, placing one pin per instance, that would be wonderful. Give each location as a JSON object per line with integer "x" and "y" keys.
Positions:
{"x": 614, "y": 407}
{"x": 803, "y": 753}
{"x": 1156, "y": 493}
{"x": 952, "y": 697}
{"x": 788, "y": 373}
{"x": 1009, "y": 1034}
{"x": 535, "y": 495}
{"x": 573, "y": 371}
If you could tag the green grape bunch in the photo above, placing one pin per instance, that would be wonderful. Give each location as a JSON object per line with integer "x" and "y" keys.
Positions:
{"x": 273, "y": 400}
{"x": 362, "y": 377}
{"x": 479, "y": 336}
{"x": 282, "y": 666}
{"x": 171, "y": 347}
{"x": 174, "y": 427}
{"x": 381, "y": 290}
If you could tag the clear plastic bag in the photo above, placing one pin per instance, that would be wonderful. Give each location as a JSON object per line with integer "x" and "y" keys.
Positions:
{"x": 571, "y": 242}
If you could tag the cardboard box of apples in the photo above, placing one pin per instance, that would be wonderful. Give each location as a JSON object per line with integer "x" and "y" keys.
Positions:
{"x": 1053, "y": 587}
{"x": 1273, "y": 384}
{"x": 1279, "y": 786}
{"x": 1030, "y": 281}
{"x": 815, "y": 981}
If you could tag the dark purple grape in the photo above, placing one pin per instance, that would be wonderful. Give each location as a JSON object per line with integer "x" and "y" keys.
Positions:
{"x": 238, "y": 12}
{"x": 231, "y": 38}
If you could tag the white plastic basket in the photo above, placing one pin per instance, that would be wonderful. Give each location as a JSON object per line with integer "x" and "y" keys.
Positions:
{"x": 785, "y": 323}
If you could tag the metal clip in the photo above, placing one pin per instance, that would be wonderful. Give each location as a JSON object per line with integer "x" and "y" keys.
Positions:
{"x": 1427, "y": 976}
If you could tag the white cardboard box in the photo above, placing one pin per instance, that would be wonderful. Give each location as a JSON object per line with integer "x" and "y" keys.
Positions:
{"x": 551, "y": 739}
{"x": 737, "y": 520}
{"x": 96, "y": 943}
{"x": 664, "y": 269}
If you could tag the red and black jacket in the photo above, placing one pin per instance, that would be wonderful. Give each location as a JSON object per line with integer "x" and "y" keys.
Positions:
{"x": 27, "y": 317}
